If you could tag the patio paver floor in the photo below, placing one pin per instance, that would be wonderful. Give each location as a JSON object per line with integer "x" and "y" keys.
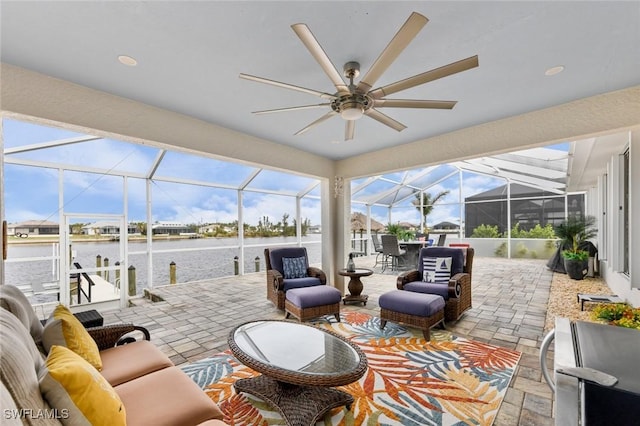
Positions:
{"x": 509, "y": 309}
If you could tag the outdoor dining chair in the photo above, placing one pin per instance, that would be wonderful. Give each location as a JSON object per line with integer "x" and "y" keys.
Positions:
{"x": 377, "y": 246}
{"x": 391, "y": 250}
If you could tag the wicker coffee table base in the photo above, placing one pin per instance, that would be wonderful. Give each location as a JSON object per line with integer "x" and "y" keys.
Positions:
{"x": 298, "y": 405}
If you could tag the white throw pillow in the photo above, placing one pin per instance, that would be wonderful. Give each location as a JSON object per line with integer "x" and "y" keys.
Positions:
{"x": 436, "y": 269}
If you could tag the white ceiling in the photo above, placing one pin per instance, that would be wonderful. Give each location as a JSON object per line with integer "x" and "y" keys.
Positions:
{"x": 190, "y": 55}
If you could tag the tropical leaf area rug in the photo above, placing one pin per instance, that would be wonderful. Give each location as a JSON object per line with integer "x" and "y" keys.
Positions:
{"x": 447, "y": 381}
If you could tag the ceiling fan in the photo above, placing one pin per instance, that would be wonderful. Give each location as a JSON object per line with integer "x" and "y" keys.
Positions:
{"x": 352, "y": 101}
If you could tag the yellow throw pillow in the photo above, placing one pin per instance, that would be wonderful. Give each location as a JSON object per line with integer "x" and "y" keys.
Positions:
{"x": 63, "y": 329}
{"x": 78, "y": 392}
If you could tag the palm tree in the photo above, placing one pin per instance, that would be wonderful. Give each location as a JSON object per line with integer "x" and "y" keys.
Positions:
{"x": 427, "y": 202}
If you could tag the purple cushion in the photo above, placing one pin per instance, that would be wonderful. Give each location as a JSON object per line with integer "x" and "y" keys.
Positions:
{"x": 276, "y": 255}
{"x": 309, "y": 297}
{"x": 407, "y": 302}
{"x": 292, "y": 283}
{"x": 428, "y": 288}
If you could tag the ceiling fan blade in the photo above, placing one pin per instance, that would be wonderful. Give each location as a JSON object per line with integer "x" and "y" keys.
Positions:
{"x": 310, "y": 42}
{"x": 385, "y": 119}
{"x": 318, "y": 121}
{"x": 287, "y": 86}
{"x": 349, "y": 129}
{"x": 400, "y": 41}
{"x": 269, "y": 111}
{"x": 425, "y": 77}
{"x": 411, "y": 103}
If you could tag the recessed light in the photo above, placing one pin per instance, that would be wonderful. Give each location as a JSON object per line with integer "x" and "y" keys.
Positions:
{"x": 554, "y": 70}
{"x": 127, "y": 60}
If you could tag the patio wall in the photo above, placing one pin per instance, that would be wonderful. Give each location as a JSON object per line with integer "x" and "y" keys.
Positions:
{"x": 606, "y": 200}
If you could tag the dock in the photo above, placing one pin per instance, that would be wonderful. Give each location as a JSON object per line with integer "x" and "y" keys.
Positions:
{"x": 101, "y": 290}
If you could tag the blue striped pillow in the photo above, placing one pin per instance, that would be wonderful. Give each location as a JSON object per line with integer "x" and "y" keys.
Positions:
{"x": 436, "y": 269}
{"x": 294, "y": 267}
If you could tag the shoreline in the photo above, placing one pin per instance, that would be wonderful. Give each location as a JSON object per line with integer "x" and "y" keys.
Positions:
{"x": 12, "y": 240}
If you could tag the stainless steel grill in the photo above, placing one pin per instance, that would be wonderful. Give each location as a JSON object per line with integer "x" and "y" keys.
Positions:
{"x": 596, "y": 374}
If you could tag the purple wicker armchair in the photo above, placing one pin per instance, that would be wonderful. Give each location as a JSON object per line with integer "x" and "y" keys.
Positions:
{"x": 456, "y": 292}
{"x": 278, "y": 283}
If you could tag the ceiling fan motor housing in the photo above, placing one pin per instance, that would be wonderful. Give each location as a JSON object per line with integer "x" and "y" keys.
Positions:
{"x": 352, "y": 100}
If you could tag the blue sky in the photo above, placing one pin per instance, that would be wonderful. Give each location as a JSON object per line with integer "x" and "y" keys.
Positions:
{"x": 31, "y": 193}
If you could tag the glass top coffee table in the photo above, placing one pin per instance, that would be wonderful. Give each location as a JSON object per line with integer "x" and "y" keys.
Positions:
{"x": 299, "y": 364}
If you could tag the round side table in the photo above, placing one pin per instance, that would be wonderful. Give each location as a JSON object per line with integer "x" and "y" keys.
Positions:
{"x": 355, "y": 285}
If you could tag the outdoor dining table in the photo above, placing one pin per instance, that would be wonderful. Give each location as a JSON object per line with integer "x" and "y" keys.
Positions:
{"x": 413, "y": 249}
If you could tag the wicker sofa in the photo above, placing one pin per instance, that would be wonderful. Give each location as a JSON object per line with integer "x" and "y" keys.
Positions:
{"x": 151, "y": 388}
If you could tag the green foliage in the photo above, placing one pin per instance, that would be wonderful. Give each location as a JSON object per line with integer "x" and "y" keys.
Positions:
{"x": 406, "y": 235}
{"x": 579, "y": 255}
{"x": 427, "y": 202}
{"x": 521, "y": 250}
{"x": 543, "y": 232}
{"x": 394, "y": 229}
{"x": 537, "y": 231}
{"x": 486, "y": 231}
{"x": 576, "y": 230}
{"x": 501, "y": 251}
{"x": 619, "y": 314}
{"x": 400, "y": 232}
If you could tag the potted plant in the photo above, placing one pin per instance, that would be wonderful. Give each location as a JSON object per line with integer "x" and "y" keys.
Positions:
{"x": 574, "y": 233}
{"x": 400, "y": 232}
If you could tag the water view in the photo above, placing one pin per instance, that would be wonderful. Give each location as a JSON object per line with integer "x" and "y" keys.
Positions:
{"x": 206, "y": 258}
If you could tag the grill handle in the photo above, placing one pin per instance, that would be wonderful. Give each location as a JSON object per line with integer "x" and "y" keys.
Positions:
{"x": 589, "y": 375}
{"x": 544, "y": 348}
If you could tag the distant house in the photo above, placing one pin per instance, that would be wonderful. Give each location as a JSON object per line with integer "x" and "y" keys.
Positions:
{"x": 212, "y": 228}
{"x": 34, "y": 227}
{"x": 170, "y": 228}
{"x": 408, "y": 226}
{"x": 106, "y": 228}
{"x": 315, "y": 229}
{"x": 445, "y": 226}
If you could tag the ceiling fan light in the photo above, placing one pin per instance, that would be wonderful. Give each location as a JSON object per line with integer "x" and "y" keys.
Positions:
{"x": 352, "y": 112}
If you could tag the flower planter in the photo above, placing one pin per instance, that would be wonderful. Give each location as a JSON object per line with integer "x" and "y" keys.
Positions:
{"x": 576, "y": 269}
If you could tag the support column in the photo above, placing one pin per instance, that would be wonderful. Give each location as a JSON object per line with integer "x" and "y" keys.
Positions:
{"x": 336, "y": 206}
{"x": 369, "y": 244}
{"x": 149, "y": 238}
{"x": 241, "y": 232}
{"x": 634, "y": 211}
{"x": 1, "y": 198}
{"x": 509, "y": 219}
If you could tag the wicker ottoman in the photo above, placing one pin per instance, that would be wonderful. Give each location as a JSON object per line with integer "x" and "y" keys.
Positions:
{"x": 417, "y": 309}
{"x": 310, "y": 302}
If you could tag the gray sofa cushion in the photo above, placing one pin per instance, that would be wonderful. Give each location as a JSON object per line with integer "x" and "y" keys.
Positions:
{"x": 14, "y": 301}
{"x": 10, "y": 413}
{"x": 20, "y": 362}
